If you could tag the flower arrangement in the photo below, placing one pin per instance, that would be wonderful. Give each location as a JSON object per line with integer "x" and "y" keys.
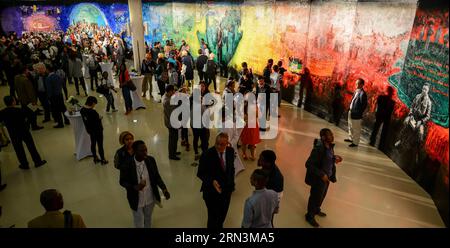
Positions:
{"x": 75, "y": 105}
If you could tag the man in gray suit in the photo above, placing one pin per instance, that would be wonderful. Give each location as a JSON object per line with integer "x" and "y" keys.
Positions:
{"x": 355, "y": 114}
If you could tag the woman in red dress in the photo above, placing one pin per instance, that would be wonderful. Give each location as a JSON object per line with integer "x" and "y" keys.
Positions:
{"x": 249, "y": 136}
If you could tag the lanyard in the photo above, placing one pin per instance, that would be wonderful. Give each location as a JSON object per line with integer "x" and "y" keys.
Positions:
{"x": 140, "y": 171}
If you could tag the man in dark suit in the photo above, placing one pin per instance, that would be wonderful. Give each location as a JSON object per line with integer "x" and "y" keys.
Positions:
{"x": 200, "y": 63}
{"x": 54, "y": 85}
{"x": 18, "y": 129}
{"x": 216, "y": 170}
{"x": 385, "y": 107}
{"x": 320, "y": 171}
{"x": 173, "y": 132}
{"x": 141, "y": 179}
{"x": 355, "y": 114}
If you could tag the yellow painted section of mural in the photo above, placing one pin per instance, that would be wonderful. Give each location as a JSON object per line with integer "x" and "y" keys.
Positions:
{"x": 257, "y": 44}
{"x": 184, "y": 13}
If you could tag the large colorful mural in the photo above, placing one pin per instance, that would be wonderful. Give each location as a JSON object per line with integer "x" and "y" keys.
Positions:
{"x": 392, "y": 43}
{"x": 426, "y": 63}
{"x": 40, "y": 18}
{"x": 404, "y": 44}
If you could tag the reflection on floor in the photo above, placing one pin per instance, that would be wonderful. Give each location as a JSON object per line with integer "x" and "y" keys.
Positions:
{"x": 371, "y": 190}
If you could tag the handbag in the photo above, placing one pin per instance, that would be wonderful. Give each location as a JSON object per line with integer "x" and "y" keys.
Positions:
{"x": 102, "y": 89}
{"x": 131, "y": 85}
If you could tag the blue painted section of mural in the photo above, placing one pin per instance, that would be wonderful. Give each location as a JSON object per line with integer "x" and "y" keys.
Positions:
{"x": 114, "y": 15}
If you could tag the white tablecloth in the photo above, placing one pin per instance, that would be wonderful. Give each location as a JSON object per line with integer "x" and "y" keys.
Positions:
{"x": 108, "y": 68}
{"x": 82, "y": 138}
{"x": 85, "y": 68}
{"x": 136, "y": 95}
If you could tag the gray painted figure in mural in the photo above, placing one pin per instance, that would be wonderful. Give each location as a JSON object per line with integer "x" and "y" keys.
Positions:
{"x": 437, "y": 37}
{"x": 430, "y": 32}
{"x": 419, "y": 115}
{"x": 422, "y": 33}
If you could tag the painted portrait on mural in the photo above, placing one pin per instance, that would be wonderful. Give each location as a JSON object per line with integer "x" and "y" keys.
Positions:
{"x": 417, "y": 120}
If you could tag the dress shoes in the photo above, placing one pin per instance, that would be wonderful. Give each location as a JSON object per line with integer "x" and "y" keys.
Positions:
{"x": 2, "y": 187}
{"x": 197, "y": 157}
{"x": 321, "y": 214}
{"x": 312, "y": 221}
{"x": 24, "y": 167}
{"x": 352, "y": 145}
{"x": 58, "y": 126}
{"x": 37, "y": 165}
{"x": 348, "y": 140}
{"x": 174, "y": 158}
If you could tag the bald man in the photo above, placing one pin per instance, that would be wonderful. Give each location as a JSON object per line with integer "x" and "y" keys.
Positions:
{"x": 216, "y": 170}
{"x": 53, "y": 201}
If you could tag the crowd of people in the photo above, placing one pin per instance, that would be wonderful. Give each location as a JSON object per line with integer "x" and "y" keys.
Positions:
{"x": 38, "y": 67}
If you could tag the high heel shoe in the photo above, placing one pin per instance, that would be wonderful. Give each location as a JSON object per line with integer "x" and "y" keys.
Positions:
{"x": 244, "y": 157}
{"x": 96, "y": 160}
{"x": 103, "y": 161}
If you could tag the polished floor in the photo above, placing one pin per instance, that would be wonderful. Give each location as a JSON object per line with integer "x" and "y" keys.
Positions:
{"x": 371, "y": 190}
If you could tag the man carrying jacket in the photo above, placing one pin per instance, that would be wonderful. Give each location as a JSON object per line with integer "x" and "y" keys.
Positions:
{"x": 320, "y": 171}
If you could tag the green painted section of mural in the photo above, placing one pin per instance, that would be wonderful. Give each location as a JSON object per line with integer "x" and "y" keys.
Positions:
{"x": 426, "y": 62}
{"x": 223, "y": 33}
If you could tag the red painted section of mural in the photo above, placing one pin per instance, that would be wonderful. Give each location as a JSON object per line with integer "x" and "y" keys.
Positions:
{"x": 426, "y": 22}
{"x": 40, "y": 23}
{"x": 437, "y": 145}
{"x": 290, "y": 79}
{"x": 373, "y": 58}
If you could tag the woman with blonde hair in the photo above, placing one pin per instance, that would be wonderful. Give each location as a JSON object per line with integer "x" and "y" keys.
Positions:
{"x": 125, "y": 153}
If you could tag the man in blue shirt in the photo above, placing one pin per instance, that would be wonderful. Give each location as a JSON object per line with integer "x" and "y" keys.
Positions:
{"x": 261, "y": 205}
{"x": 320, "y": 171}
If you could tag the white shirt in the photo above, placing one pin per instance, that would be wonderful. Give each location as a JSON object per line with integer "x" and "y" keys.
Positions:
{"x": 357, "y": 92}
{"x": 146, "y": 194}
{"x": 274, "y": 78}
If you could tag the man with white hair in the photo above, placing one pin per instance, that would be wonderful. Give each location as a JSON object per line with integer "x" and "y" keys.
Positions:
{"x": 216, "y": 170}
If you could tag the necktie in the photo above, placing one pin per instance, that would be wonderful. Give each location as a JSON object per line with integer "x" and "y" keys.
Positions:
{"x": 222, "y": 162}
